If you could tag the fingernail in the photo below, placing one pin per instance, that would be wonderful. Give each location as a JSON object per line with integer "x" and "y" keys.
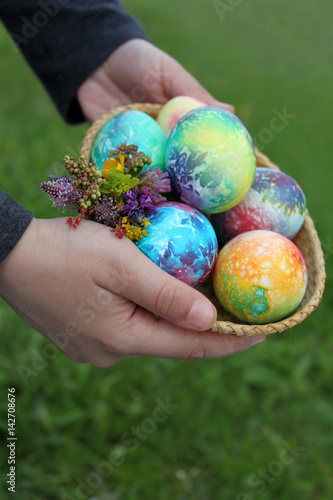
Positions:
{"x": 228, "y": 107}
{"x": 258, "y": 339}
{"x": 201, "y": 315}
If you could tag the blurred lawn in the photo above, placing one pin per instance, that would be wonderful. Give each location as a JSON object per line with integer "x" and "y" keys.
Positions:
{"x": 227, "y": 437}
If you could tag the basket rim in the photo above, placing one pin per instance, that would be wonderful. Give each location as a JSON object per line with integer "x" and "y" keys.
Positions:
{"x": 229, "y": 327}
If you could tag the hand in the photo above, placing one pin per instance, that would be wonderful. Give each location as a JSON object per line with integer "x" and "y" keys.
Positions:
{"x": 138, "y": 72}
{"x": 90, "y": 292}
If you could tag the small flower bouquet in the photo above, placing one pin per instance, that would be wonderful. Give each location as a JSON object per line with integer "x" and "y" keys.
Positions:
{"x": 119, "y": 197}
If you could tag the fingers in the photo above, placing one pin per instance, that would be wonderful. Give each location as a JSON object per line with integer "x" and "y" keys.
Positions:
{"x": 148, "y": 336}
{"x": 133, "y": 276}
{"x": 179, "y": 82}
{"x": 228, "y": 107}
{"x": 99, "y": 93}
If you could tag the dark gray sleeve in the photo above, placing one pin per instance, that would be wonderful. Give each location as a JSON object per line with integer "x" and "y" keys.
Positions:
{"x": 64, "y": 41}
{"x": 14, "y": 219}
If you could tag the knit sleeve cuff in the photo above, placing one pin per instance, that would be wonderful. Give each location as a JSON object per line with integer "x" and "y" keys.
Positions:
{"x": 14, "y": 219}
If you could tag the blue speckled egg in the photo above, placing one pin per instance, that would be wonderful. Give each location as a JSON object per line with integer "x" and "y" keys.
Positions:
{"x": 131, "y": 127}
{"x": 210, "y": 159}
{"x": 181, "y": 241}
{"x": 275, "y": 202}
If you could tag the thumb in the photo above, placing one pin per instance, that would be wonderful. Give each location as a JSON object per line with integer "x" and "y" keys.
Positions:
{"x": 177, "y": 81}
{"x": 138, "y": 279}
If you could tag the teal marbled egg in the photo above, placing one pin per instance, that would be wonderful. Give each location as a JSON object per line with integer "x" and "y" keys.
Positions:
{"x": 210, "y": 159}
{"x": 131, "y": 127}
{"x": 181, "y": 241}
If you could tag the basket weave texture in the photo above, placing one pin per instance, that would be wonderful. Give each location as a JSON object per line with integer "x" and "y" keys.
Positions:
{"x": 306, "y": 240}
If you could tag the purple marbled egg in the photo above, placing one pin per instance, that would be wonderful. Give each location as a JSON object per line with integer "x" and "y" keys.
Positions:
{"x": 275, "y": 202}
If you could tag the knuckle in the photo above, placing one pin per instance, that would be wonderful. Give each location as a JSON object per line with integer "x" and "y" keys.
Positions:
{"x": 119, "y": 278}
{"x": 101, "y": 363}
{"x": 116, "y": 344}
{"x": 118, "y": 347}
{"x": 117, "y": 273}
{"x": 197, "y": 352}
{"x": 166, "y": 299}
{"x": 126, "y": 342}
{"x": 76, "y": 359}
{"x": 234, "y": 344}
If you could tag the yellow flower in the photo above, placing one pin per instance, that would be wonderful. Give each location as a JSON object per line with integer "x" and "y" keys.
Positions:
{"x": 112, "y": 162}
{"x": 133, "y": 231}
{"x": 145, "y": 222}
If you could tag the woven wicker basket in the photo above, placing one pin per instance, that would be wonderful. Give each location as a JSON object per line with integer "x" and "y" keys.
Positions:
{"x": 306, "y": 240}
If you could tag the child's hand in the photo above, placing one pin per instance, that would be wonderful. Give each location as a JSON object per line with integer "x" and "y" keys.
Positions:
{"x": 90, "y": 293}
{"x": 138, "y": 72}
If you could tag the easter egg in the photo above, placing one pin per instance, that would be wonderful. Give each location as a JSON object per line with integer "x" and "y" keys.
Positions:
{"x": 173, "y": 111}
{"x": 275, "y": 202}
{"x": 131, "y": 127}
{"x": 260, "y": 276}
{"x": 181, "y": 241}
{"x": 210, "y": 159}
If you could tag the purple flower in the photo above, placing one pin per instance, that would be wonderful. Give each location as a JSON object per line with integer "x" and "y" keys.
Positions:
{"x": 153, "y": 182}
{"x": 61, "y": 191}
{"x": 137, "y": 206}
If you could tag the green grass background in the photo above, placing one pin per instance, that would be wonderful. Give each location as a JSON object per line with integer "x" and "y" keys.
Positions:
{"x": 226, "y": 439}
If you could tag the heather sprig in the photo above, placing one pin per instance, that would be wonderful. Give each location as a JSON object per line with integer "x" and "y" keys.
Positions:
{"x": 61, "y": 191}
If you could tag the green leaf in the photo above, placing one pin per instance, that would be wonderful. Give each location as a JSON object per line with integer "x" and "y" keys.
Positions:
{"x": 118, "y": 184}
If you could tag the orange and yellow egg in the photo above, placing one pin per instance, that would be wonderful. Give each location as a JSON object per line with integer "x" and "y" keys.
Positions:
{"x": 260, "y": 277}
